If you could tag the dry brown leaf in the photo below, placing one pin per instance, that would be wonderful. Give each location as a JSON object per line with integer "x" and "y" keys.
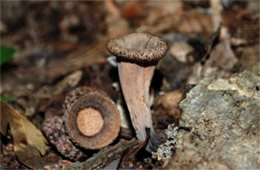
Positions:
{"x": 28, "y": 140}
{"x": 68, "y": 82}
{"x": 170, "y": 102}
{"x": 129, "y": 157}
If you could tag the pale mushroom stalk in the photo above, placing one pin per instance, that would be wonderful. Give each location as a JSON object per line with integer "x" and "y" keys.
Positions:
{"x": 136, "y": 93}
{"x": 138, "y": 54}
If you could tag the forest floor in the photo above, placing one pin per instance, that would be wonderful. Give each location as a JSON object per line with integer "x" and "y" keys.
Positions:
{"x": 50, "y": 48}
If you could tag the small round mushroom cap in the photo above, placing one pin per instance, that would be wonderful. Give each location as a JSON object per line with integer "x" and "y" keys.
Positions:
{"x": 138, "y": 47}
{"x": 91, "y": 118}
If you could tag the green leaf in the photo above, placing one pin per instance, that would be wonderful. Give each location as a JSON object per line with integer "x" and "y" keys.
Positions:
{"x": 6, "y": 99}
{"x": 6, "y": 54}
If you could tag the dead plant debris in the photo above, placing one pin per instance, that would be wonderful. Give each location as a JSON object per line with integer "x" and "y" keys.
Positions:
{"x": 61, "y": 46}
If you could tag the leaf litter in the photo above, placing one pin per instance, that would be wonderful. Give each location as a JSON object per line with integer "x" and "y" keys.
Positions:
{"x": 70, "y": 52}
{"x": 29, "y": 143}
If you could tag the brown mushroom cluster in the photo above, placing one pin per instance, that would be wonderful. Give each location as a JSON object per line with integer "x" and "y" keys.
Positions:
{"x": 138, "y": 55}
{"x": 92, "y": 120}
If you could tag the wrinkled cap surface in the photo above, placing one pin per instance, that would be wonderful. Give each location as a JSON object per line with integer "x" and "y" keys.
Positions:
{"x": 138, "y": 47}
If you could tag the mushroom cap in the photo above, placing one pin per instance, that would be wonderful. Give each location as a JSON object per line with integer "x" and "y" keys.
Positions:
{"x": 138, "y": 47}
{"x": 79, "y": 101}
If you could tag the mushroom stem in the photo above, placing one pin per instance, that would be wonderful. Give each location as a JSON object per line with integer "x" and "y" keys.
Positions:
{"x": 135, "y": 82}
{"x": 148, "y": 75}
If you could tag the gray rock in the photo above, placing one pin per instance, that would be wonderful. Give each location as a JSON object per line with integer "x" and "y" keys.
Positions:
{"x": 223, "y": 113}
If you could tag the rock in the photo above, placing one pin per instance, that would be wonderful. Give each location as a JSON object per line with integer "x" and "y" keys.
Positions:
{"x": 223, "y": 113}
